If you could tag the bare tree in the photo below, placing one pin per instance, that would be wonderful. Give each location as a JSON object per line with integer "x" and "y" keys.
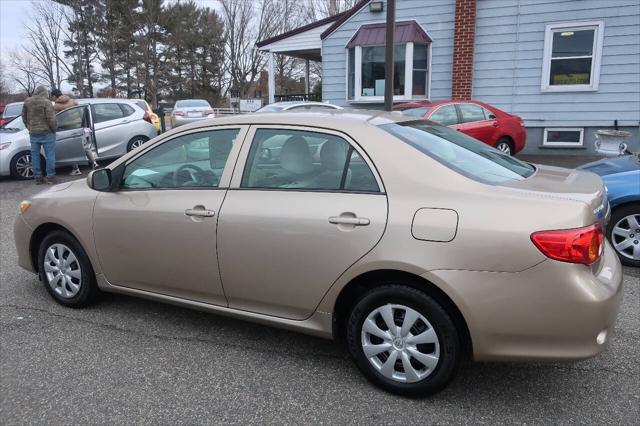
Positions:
{"x": 24, "y": 71}
{"x": 46, "y": 34}
{"x": 319, "y": 9}
{"x": 247, "y": 21}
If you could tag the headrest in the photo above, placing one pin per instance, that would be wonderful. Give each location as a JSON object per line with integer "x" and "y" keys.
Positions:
{"x": 295, "y": 156}
{"x": 333, "y": 155}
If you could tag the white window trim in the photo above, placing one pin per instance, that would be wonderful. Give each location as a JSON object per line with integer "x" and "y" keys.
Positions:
{"x": 408, "y": 77}
{"x": 598, "y": 38}
{"x": 580, "y": 143}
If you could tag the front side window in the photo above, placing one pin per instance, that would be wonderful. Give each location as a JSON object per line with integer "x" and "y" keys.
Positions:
{"x": 460, "y": 153}
{"x": 195, "y": 160}
{"x": 106, "y": 112}
{"x": 70, "y": 119}
{"x": 572, "y": 56}
{"x": 471, "y": 113}
{"x": 302, "y": 160}
{"x": 445, "y": 115}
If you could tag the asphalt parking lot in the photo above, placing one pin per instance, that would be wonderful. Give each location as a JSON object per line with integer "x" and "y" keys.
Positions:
{"x": 127, "y": 360}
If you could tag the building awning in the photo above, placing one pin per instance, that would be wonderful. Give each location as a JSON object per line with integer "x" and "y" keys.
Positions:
{"x": 374, "y": 34}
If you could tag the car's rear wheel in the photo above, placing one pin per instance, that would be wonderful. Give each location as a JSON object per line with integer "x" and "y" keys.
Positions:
{"x": 505, "y": 145}
{"x": 136, "y": 142}
{"x": 66, "y": 271}
{"x": 624, "y": 233}
{"x": 20, "y": 166}
{"x": 403, "y": 340}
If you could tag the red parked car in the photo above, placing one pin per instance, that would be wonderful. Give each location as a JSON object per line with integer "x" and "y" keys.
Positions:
{"x": 484, "y": 122}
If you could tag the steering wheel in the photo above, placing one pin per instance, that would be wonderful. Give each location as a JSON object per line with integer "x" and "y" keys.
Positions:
{"x": 196, "y": 174}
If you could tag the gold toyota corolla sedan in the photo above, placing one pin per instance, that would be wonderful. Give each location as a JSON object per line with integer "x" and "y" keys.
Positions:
{"x": 415, "y": 244}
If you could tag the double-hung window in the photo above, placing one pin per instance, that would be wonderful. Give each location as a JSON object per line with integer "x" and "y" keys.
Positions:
{"x": 366, "y": 69}
{"x": 572, "y": 55}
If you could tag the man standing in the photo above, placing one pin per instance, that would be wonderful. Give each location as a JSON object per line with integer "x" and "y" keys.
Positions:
{"x": 40, "y": 118}
{"x": 62, "y": 102}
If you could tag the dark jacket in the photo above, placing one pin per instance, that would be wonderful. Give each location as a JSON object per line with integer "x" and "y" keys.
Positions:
{"x": 38, "y": 114}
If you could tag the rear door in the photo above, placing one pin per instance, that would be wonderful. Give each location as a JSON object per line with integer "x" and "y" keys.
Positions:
{"x": 112, "y": 132}
{"x": 293, "y": 221}
{"x": 476, "y": 123}
{"x": 71, "y": 123}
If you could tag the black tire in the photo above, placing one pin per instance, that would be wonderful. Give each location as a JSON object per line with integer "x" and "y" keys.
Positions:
{"x": 616, "y": 216}
{"x": 506, "y": 143}
{"x": 16, "y": 169}
{"x": 133, "y": 143}
{"x": 88, "y": 291}
{"x": 450, "y": 352}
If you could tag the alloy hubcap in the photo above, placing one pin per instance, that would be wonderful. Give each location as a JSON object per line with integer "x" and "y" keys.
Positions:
{"x": 136, "y": 143}
{"x": 23, "y": 166}
{"x": 504, "y": 147}
{"x": 624, "y": 236}
{"x": 62, "y": 270}
{"x": 400, "y": 343}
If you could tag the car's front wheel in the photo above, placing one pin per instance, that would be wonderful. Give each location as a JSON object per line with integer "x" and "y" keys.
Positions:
{"x": 624, "y": 233}
{"x": 66, "y": 271}
{"x": 403, "y": 340}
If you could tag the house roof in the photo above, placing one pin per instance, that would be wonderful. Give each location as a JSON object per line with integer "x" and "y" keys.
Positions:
{"x": 299, "y": 30}
{"x": 344, "y": 17}
{"x": 375, "y": 34}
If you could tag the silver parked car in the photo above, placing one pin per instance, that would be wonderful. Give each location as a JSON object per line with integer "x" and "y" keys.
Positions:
{"x": 297, "y": 106}
{"x": 118, "y": 125}
{"x": 190, "y": 110}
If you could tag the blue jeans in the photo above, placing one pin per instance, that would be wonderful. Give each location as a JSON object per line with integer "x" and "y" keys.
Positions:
{"x": 48, "y": 142}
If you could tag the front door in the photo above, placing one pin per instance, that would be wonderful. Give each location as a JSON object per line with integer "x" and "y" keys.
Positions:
{"x": 158, "y": 232}
{"x": 303, "y": 209}
{"x": 69, "y": 135}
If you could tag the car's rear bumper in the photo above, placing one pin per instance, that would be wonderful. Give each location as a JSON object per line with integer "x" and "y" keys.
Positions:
{"x": 179, "y": 121}
{"x": 552, "y": 311}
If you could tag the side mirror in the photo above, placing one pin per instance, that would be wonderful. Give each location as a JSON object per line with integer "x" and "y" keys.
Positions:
{"x": 100, "y": 180}
{"x": 492, "y": 117}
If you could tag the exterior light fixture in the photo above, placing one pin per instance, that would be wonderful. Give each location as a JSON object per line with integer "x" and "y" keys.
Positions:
{"x": 375, "y": 6}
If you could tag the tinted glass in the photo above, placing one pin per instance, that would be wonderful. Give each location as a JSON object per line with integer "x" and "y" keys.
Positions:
{"x": 459, "y": 152}
{"x": 12, "y": 110}
{"x": 445, "y": 115}
{"x": 127, "y": 110}
{"x": 294, "y": 159}
{"x": 192, "y": 103}
{"x": 195, "y": 160}
{"x": 573, "y": 43}
{"x": 106, "y": 112}
{"x": 416, "y": 112}
{"x": 471, "y": 113}
{"x": 70, "y": 119}
{"x": 570, "y": 71}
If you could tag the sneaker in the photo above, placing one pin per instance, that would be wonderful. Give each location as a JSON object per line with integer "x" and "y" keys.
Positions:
{"x": 52, "y": 180}
{"x": 39, "y": 180}
{"x": 76, "y": 171}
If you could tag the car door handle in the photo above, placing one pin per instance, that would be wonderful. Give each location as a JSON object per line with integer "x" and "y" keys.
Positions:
{"x": 495, "y": 124}
{"x": 346, "y": 220}
{"x": 199, "y": 212}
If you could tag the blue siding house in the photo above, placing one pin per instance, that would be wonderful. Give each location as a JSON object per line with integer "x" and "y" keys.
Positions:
{"x": 567, "y": 67}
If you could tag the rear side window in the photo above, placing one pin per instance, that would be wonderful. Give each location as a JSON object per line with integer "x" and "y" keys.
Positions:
{"x": 461, "y": 153}
{"x": 471, "y": 113}
{"x": 295, "y": 159}
{"x": 127, "y": 110}
{"x": 445, "y": 115}
{"x": 106, "y": 112}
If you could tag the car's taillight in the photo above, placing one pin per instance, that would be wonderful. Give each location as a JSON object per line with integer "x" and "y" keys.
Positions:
{"x": 178, "y": 113}
{"x": 146, "y": 117}
{"x": 208, "y": 112}
{"x": 579, "y": 245}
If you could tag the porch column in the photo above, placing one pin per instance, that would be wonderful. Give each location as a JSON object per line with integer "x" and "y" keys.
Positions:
{"x": 272, "y": 79}
{"x": 306, "y": 77}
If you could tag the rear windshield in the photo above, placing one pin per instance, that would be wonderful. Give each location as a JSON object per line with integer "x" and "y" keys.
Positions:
{"x": 12, "y": 110}
{"x": 416, "y": 112}
{"x": 271, "y": 108}
{"x": 15, "y": 124}
{"x": 459, "y": 152}
{"x": 192, "y": 103}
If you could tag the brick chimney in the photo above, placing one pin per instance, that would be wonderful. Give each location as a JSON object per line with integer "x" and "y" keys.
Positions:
{"x": 463, "y": 44}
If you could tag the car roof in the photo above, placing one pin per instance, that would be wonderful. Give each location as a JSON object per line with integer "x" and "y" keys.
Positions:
{"x": 13, "y": 103}
{"x": 105, "y": 101}
{"x": 339, "y": 119}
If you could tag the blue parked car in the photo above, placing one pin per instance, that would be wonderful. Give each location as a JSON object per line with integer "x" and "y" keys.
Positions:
{"x": 621, "y": 175}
